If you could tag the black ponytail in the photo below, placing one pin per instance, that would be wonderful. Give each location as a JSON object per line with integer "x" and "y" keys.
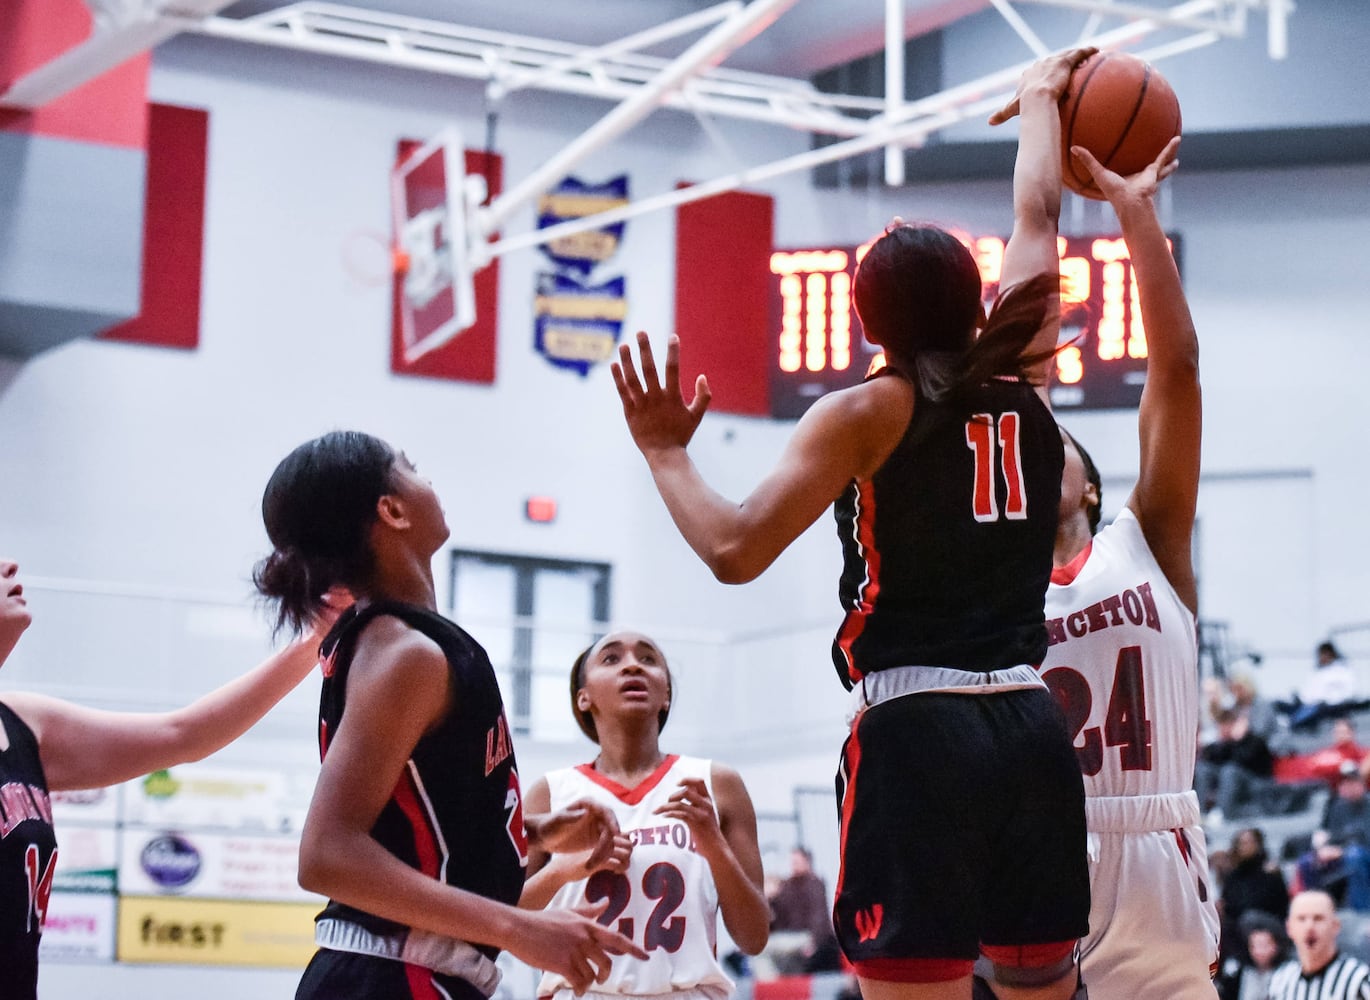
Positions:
{"x": 1016, "y": 318}
{"x": 318, "y": 508}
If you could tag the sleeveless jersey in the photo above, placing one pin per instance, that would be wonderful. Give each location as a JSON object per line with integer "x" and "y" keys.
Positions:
{"x": 456, "y": 813}
{"x": 1123, "y": 663}
{"x": 947, "y": 547}
{"x": 666, "y": 901}
{"x": 28, "y": 855}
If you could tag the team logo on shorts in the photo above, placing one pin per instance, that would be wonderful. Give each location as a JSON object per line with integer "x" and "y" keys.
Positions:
{"x": 868, "y": 922}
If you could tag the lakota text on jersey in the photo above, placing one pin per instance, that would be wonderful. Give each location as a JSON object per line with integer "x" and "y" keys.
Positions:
{"x": 20, "y": 802}
{"x": 1133, "y": 606}
{"x": 497, "y": 745}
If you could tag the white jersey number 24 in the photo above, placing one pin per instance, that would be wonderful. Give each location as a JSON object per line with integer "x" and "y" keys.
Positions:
{"x": 1125, "y": 723}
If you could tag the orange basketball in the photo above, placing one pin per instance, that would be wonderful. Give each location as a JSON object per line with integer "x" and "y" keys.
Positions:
{"x": 1120, "y": 109}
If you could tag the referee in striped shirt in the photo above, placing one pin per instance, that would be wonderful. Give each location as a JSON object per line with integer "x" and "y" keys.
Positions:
{"x": 1320, "y": 972}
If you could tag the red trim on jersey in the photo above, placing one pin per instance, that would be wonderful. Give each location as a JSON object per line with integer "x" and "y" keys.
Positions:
{"x": 1064, "y": 576}
{"x": 913, "y": 970}
{"x": 1183, "y": 841}
{"x": 855, "y": 622}
{"x": 852, "y": 762}
{"x": 1027, "y": 956}
{"x": 406, "y": 796}
{"x": 421, "y": 983}
{"x": 630, "y": 796}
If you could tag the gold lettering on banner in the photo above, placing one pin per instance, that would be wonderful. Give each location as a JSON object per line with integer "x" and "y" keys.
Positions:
{"x": 580, "y": 307}
{"x": 576, "y": 345}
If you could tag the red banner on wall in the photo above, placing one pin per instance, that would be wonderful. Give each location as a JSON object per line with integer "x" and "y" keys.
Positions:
{"x": 723, "y": 249}
{"x": 469, "y": 356}
{"x": 173, "y": 230}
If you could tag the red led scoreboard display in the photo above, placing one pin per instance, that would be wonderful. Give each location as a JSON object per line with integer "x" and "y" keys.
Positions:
{"x": 819, "y": 345}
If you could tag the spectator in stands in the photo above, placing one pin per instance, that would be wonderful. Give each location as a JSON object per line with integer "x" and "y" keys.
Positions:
{"x": 1320, "y": 970}
{"x": 1248, "y": 977}
{"x": 1329, "y": 762}
{"x": 1262, "y": 719}
{"x": 1330, "y": 690}
{"x": 800, "y": 903}
{"x": 1253, "y": 884}
{"x": 1338, "y": 862}
{"x": 1234, "y": 770}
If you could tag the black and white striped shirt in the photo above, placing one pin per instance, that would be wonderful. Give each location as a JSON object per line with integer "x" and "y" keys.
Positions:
{"x": 1343, "y": 978}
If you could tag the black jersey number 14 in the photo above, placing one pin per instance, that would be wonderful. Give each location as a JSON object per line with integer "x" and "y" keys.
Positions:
{"x": 983, "y": 433}
{"x": 1125, "y": 723}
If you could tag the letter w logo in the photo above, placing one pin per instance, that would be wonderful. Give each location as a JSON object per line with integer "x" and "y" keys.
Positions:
{"x": 868, "y": 922}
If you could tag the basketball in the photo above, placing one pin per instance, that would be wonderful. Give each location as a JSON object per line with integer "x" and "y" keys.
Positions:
{"x": 1119, "y": 108}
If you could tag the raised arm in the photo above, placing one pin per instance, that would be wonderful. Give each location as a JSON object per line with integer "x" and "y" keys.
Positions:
{"x": 87, "y": 748}
{"x": 1170, "y": 417}
{"x": 1032, "y": 248}
{"x": 845, "y": 434}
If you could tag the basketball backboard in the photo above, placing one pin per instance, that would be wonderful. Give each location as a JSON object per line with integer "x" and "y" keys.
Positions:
{"x": 432, "y": 258}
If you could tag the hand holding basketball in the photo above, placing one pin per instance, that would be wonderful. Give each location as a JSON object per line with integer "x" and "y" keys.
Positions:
{"x": 1052, "y": 73}
{"x": 1137, "y": 187}
{"x": 1121, "y": 110}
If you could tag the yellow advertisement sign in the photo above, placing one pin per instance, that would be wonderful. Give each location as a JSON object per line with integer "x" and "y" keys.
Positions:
{"x": 167, "y": 930}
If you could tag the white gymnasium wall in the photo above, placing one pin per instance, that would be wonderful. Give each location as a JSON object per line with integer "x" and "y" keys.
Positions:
{"x": 145, "y": 466}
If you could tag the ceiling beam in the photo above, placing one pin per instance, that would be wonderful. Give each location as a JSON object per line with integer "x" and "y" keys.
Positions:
{"x": 122, "y": 30}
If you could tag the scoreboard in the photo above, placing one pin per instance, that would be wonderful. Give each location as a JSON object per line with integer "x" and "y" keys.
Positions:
{"x": 818, "y": 345}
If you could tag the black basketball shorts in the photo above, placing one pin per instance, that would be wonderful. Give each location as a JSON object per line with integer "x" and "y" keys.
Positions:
{"x": 962, "y": 826}
{"x": 341, "y": 975}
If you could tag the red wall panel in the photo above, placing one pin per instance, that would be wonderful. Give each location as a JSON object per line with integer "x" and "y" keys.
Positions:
{"x": 110, "y": 109}
{"x": 173, "y": 230}
{"x": 723, "y": 250}
{"x": 470, "y": 356}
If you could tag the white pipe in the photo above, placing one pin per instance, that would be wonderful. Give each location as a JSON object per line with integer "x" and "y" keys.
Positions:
{"x": 1024, "y": 30}
{"x": 894, "y": 85}
{"x": 1180, "y": 45}
{"x": 1277, "y": 38}
{"x": 630, "y": 43}
{"x": 881, "y": 135}
{"x": 715, "y": 46}
{"x": 1181, "y": 16}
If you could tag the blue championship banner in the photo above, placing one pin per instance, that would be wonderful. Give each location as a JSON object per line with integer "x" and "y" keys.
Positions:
{"x": 574, "y": 199}
{"x": 578, "y": 325}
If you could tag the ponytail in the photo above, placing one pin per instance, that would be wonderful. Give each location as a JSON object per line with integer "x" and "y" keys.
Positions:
{"x": 297, "y": 587}
{"x": 318, "y": 508}
{"x": 1016, "y": 318}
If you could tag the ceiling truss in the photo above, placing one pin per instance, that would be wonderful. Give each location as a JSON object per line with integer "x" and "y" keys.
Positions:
{"x": 638, "y": 83}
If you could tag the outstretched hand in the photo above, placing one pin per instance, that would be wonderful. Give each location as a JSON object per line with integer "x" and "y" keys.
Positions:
{"x": 1141, "y": 186}
{"x": 657, "y": 414}
{"x": 1050, "y": 73}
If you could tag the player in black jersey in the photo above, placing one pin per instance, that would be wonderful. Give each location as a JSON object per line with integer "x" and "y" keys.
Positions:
{"x": 416, "y": 830}
{"x": 962, "y": 806}
{"x": 47, "y": 744}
